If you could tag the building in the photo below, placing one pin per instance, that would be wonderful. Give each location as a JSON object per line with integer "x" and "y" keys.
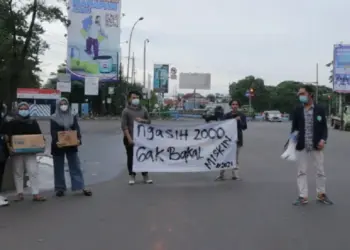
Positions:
{"x": 193, "y": 101}
{"x": 42, "y": 101}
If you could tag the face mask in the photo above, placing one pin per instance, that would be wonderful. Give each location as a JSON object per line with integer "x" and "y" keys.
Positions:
{"x": 303, "y": 99}
{"x": 135, "y": 102}
{"x": 23, "y": 113}
{"x": 2, "y": 114}
{"x": 64, "y": 107}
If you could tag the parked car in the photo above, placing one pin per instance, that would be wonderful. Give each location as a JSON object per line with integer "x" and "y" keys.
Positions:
{"x": 273, "y": 116}
{"x": 215, "y": 112}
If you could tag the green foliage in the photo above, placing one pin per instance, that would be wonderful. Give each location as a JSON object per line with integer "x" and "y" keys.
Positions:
{"x": 99, "y": 103}
{"x": 211, "y": 97}
{"x": 282, "y": 97}
{"x": 21, "y": 43}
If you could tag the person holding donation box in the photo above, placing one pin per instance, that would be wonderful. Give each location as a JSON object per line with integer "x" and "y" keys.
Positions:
{"x": 66, "y": 138}
{"x": 133, "y": 112}
{"x": 24, "y": 158}
{"x": 241, "y": 125}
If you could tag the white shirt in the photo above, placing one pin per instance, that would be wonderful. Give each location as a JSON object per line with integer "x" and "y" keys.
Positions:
{"x": 94, "y": 30}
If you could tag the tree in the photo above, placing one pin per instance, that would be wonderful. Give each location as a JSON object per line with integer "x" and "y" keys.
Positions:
{"x": 211, "y": 97}
{"x": 282, "y": 97}
{"x": 99, "y": 103}
{"x": 21, "y": 27}
{"x": 259, "y": 100}
{"x": 331, "y": 75}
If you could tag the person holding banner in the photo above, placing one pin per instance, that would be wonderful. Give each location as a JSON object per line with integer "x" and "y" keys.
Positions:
{"x": 241, "y": 125}
{"x": 133, "y": 112}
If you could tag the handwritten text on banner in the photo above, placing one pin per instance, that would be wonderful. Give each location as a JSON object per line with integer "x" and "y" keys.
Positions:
{"x": 207, "y": 147}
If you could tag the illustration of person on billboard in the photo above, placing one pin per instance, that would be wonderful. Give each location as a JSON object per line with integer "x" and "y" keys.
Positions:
{"x": 163, "y": 77}
{"x": 94, "y": 31}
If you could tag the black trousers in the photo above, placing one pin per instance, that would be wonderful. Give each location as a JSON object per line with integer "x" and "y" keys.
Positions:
{"x": 130, "y": 155}
{"x": 2, "y": 170}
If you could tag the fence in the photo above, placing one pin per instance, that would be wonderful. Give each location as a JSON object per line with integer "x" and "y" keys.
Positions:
{"x": 176, "y": 115}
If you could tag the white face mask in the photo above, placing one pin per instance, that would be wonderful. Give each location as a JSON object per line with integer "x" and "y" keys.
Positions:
{"x": 135, "y": 102}
{"x": 64, "y": 107}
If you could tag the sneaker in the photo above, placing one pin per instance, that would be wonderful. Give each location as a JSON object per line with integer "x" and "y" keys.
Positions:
{"x": 235, "y": 175}
{"x": 323, "y": 198}
{"x": 147, "y": 180}
{"x": 3, "y": 201}
{"x": 60, "y": 193}
{"x": 221, "y": 177}
{"x": 132, "y": 180}
{"x": 300, "y": 201}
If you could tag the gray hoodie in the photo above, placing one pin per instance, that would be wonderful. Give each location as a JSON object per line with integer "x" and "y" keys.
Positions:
{"x": 129, "y": 115}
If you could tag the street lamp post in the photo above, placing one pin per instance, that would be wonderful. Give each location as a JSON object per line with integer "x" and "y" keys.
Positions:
{"x": 144, "y": 62}
{"x": 316, "y": 83}
{"x": 132, "y": 30}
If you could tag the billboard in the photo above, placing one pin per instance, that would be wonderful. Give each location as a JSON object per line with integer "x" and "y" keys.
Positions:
{"x": 93, "y": 39}
{"x": 200, "y": 81}
{"x": 173, "y": 73}
{"x": 341, "y": 68}
{"x": 161, "y": 78}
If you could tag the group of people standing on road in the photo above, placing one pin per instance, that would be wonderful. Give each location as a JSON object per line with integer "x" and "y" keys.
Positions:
{"x": 22, "y": 124}
{"x": 135, "y": 112}
{"x": 309, "y": 120}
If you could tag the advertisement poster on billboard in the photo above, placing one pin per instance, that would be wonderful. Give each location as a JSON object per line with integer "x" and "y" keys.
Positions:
{"x": 64, "y": 83}
{"x": 91, "y": 86}
{"x": 161, "y": 78}
{"x": 94, "y": 39}
{"x": 200, "y": 81}
{"x": 341, "y": 81}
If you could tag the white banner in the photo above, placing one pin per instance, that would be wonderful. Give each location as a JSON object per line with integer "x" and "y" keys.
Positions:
{"x": 64, "y": 87}
{"x": 91, "y": 85}
{"x": 207, "y": 147}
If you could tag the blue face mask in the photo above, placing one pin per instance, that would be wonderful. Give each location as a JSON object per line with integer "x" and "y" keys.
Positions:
{"x": 23, "y": 113}
{"x": 303, "y": 99}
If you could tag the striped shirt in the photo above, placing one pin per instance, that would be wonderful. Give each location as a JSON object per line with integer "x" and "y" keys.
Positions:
{"x": 309, "y": 128}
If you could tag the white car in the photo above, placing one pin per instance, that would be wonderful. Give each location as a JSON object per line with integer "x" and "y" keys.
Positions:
{"x": 273, "y": 116}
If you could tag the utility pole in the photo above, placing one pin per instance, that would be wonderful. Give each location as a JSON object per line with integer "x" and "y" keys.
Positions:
{"x": 316, "y": 99}
{"x": 133, "y": 69}
{"x": 144, "y": 61}
{"x": 341, "y": 110}
{"x": 250, "y": 103}
{"x": 130, "y": 39}
{"x": 149, "y": 92}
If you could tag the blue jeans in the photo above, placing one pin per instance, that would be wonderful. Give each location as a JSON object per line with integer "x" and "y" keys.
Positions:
{"x": 75, "y": 172}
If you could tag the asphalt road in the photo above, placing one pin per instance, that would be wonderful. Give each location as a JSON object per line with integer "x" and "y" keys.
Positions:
{"x": 190, "y": 211}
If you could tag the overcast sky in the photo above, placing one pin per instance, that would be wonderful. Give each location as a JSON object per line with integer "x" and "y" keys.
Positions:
{"x": 273, "y": 39}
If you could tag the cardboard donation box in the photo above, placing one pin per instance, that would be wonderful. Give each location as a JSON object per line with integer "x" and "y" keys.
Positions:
{"x": 28, "y": 144}
{"x": 68, "y": 138}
